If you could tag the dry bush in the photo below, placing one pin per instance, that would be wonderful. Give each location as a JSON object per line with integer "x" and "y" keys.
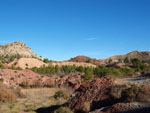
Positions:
{"x": 18, "y": 93}
{"x": 37, "y": 84}
{"x": 135, "y": 94}
{"x": 24, "y": 84}
{"x": 62, "y": 94}
{"x": 7, "y": 96}
{"x": 116, "y": 91}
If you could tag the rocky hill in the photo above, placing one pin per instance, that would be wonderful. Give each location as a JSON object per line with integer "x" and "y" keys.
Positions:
{"x": 144, "y": 56}
{"x": 17, "y": 48}
{"x": 86, "y": 59}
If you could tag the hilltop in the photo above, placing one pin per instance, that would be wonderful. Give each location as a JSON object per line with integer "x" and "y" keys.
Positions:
{"x": 17, "y": 49}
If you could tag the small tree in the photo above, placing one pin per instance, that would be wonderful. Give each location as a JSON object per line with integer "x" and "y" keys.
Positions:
{"x": 89, "y": 60}
{"x": 136, "y": 62}
{"x": 126, "y": 60}
{"x": 110, "y": 61}
{"x": 46, "y": 60}
{"x": 119, "y": 60}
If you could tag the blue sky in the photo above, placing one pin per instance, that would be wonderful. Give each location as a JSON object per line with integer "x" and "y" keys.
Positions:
{"x": 62, "y": 29}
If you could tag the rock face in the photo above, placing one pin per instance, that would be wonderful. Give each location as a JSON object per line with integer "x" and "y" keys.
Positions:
{"x": 93, "y": 94}
{"x": 135, "y": 54}
{"x": 17, "y": 48}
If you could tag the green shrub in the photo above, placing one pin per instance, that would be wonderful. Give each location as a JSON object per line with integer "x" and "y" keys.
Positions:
{"x": 1, "y": 80}
{"x": 126, "y": 60}
{"x": 2, "y": 66}
{"x": 136, "y": 62}
{"x": 46, "y": 60}
{"x": 127, "y": 71}
{"x": 106, "y": 71}
{"x": 88, "y": 74}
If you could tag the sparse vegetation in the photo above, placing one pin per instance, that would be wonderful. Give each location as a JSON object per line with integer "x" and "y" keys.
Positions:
{"x": 15, "y": 68}
{"x": 88, "y": 74}
{"x": 127, "y": 71}
{"x": 61, "y": 94}
{"x": 2, "y": 66}
{"x": 134, "y": 93}
{"x": 126, "y": 60}
{"x": 9, "y": 58}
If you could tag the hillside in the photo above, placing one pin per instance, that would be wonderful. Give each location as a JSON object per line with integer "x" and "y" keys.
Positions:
{"x": 27, "y": 63}
{"x": 143, "y": 56}
{"x": 17, "y": 49}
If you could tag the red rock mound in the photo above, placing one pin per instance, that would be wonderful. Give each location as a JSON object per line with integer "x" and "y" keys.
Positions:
{"x": 92, "y": 95}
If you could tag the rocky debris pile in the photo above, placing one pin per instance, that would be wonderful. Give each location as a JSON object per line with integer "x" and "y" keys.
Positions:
{"x": 91, "y": 95}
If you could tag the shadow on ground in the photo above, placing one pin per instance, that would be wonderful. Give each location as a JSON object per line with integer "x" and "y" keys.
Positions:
{"x": 139, "y": 110}
{"x": 50, "y": 109}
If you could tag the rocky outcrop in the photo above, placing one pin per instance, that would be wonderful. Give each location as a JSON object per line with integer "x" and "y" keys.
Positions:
{"x": 17, "y": 48}
{"x": 93, "y": 94}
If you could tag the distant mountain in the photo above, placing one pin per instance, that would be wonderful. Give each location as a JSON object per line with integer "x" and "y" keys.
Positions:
{"x": 17, "y": 48}
{"x": 144, "y": 56}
